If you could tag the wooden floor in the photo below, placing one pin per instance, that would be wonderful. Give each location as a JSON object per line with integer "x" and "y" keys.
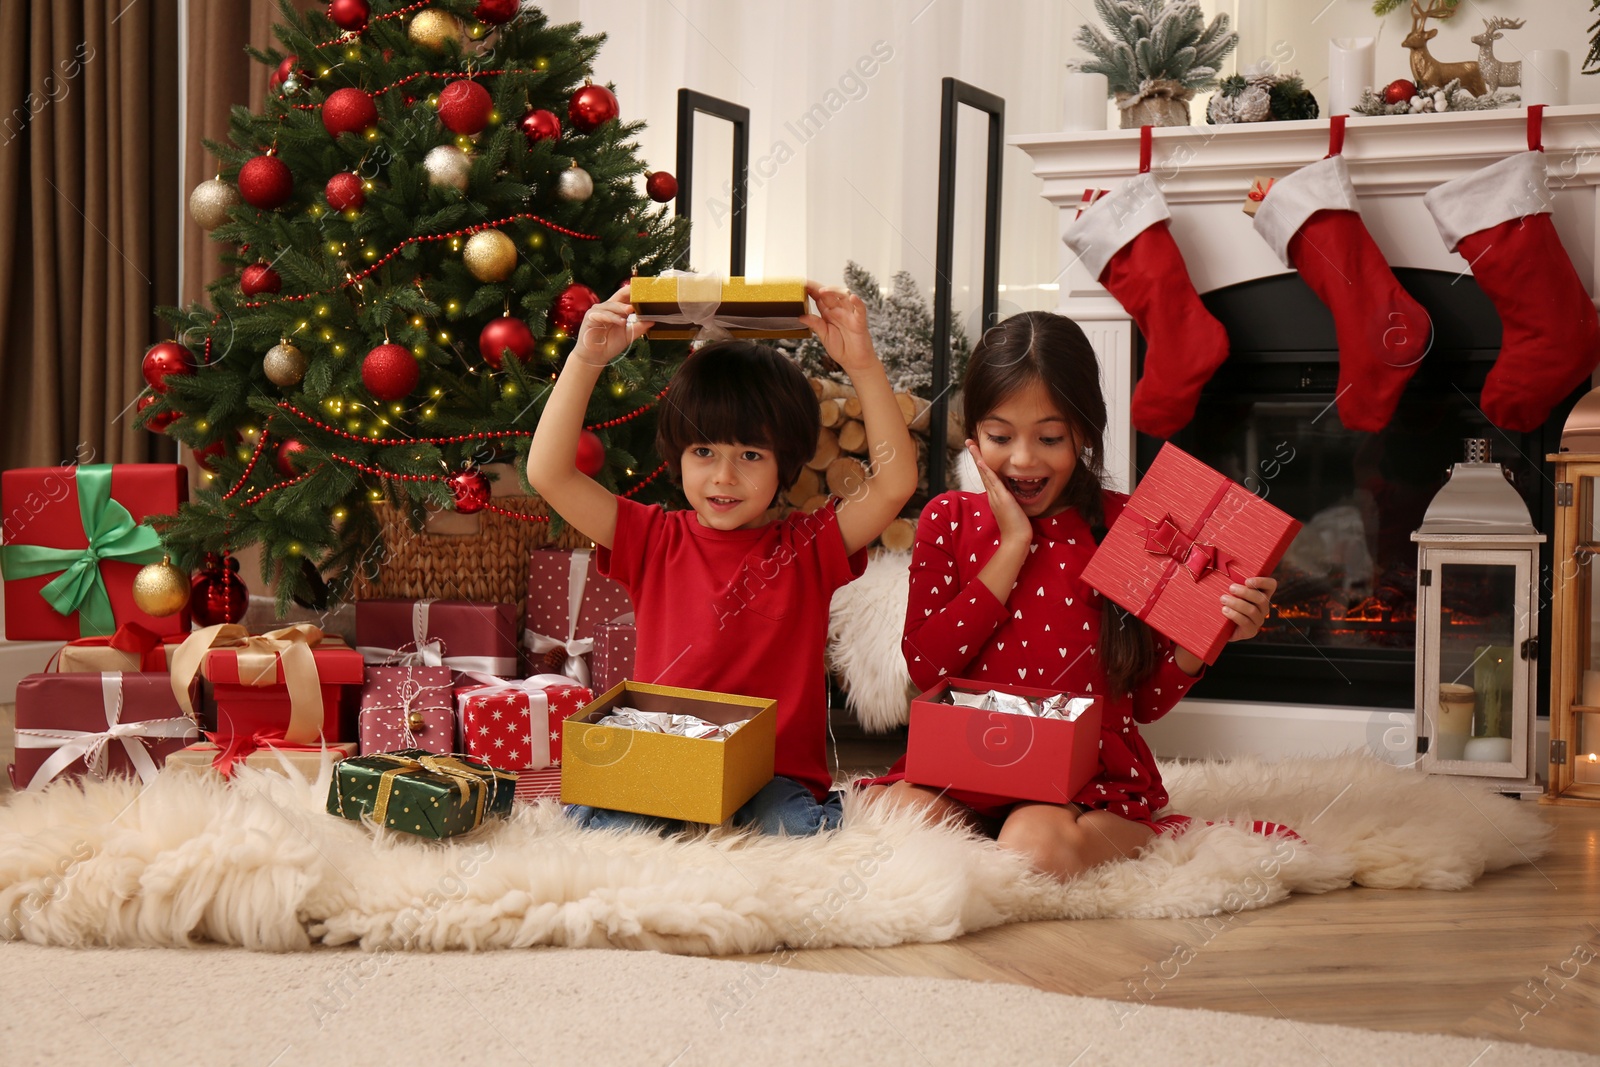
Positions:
{"x": 1516, "y": 957}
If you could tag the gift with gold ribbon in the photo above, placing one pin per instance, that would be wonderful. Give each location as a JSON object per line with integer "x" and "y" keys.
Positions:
{"x": 708, "y": 307}
{"x": 1184, "y": 537}
{"x": 76, "y": 725}
{"x": 130, "y": 650}
{"x": 75, "y": 537}
{"x": 420, "y": 792}
{"x": 294, "y": 683}
{"x": 459, "y": 634}
{"x": 408, "y": 707}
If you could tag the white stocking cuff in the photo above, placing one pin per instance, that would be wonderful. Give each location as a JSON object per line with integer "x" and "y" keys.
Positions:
{"x": 1322, "y": 186}
{"x": 1115, "y": 219}
{"x": 1514, "y": 187}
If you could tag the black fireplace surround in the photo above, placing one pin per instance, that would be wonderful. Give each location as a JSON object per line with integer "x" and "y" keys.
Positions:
{"x": 1343, "y": 625}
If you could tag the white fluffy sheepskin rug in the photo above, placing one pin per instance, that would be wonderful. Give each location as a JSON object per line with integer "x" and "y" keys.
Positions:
{"x": 260, "y": 864}
{"x": 865, "y": 623}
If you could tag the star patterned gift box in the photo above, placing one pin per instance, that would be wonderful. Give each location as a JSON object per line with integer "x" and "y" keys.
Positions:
{"x": 420, "y": 792}
{"x": 518, "y": 724}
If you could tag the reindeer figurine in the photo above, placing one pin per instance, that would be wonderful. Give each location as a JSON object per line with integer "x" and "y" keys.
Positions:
{"x": 1427, "y": 71}
{"x": 1497, "y": 74}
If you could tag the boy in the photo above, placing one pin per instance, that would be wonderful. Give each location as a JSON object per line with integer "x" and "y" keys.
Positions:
{"x": 725, "y": 600}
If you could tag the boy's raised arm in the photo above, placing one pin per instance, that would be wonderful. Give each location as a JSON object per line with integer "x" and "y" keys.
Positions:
{"x": 841, "y": 325}
{"x": 553, "y": 456}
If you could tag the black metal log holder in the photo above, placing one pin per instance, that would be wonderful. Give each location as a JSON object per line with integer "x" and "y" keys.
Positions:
{"x": 690, "y": 102}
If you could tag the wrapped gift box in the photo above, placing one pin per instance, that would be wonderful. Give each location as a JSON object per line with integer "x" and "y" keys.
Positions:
{"x": 612, "y": 659}
{"x": 417, "y": 792}
{"x": 517, "y": 725}
{"x": 255, "y": 678}
{"x": 687, "y": 305}
{"x": 204, "y": 756}
{"x": 459, "y": 634}
{"x": 1186, "y": 534}
{"x": 128, "y": 723}
{"x": 534, "y": 786}
{"x": 55, "y": 590}
{"x": 131, "y": 649}
{"x": 1003, "y": 754}
{"x": 559, "y": 638}
{"x": 408, "y": 707}
{"x": 688, "y": 778}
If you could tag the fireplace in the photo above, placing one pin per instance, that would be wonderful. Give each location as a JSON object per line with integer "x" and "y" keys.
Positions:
{"x": 1343, "y": 627}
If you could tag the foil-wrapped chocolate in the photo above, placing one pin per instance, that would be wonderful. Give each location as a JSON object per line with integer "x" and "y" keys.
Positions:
{"x": 1061, "y": 706}
{"x": 664, "y": 722}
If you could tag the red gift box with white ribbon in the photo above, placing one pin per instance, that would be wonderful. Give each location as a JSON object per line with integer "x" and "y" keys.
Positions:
{"x": 516, "y": 725}
{"x": 568, "y": 602}
{"x": 77, "y": 724}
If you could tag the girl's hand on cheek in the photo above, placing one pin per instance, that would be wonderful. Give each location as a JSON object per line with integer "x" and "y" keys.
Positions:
{"x": 1249, "y": 605}
{"x": 1013, "y": 521}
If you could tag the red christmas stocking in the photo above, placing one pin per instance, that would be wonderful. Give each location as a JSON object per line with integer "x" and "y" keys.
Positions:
{"x": 1311, "y": 221}
{"x": 1124, "y": 240}
{"x": 1499, "y": 219}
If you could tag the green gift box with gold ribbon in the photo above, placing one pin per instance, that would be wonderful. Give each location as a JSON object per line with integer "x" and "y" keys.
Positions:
{"x": 420, "y": 792}
{"x": 75, "y": 537}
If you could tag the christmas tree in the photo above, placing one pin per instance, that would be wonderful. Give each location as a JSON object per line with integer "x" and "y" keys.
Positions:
{"x": 430, "y": 199}
{"x": 901, "y": 324}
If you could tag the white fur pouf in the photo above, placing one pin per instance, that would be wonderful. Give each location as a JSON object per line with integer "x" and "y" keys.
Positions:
{"x": 260, "y": 863}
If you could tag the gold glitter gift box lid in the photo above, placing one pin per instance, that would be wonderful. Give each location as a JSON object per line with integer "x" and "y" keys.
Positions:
{"x": 740, "y": 299}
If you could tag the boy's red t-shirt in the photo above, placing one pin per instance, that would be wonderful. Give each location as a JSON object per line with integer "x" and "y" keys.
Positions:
{"x": 738, "y": 611}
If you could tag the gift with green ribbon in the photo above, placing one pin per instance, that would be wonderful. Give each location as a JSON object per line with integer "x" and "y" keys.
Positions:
{"x": 420, "y": 792}
{"x": 74, "y": 540}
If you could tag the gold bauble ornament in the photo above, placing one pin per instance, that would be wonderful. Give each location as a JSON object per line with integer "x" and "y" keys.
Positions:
{"x": 434, "y": 29}
{"x": 211, "y": 201}
{"x": 160, "y": 589}
{"x": 415, "y": 721}
{"x": 448, "y": 165}
{"x": 490, "y": 255}
{"x": 285, "y": 364}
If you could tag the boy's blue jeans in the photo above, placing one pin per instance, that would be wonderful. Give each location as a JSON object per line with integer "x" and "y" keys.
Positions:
{"x": 783, "y": 806}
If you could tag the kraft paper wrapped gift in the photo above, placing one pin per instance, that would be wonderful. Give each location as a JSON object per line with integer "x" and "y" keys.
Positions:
{"x": 130, "y": 650}
{"x": 211, "y": 758}
{"x": 71, "y": 725}
{"x": 516, "y": 725}
{"x": 950, "y": 746}
{"x": 408, "y": 707}
{"x": 568, "y": 602}
{"x": 688, "y": 778}
{"x": 707, "y": 307}
{"x": 459, "y": 634}
{"x": 418, "y": 792}
{"x": 1185, "y": 536}
{"x": 74, "y": 539}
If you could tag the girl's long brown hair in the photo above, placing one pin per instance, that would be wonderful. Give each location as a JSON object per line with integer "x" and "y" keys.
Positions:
{"x": 1037, "y": 346}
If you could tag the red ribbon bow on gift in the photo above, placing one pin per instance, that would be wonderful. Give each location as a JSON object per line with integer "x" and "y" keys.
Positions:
{"x": 1162, "y": 537}
{"x": 233, "y": 749}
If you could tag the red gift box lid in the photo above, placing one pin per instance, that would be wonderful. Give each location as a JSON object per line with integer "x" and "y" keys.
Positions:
{"x": 1185, "y": 536}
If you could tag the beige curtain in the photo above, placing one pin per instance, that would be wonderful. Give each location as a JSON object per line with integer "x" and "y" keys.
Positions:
{"x": 88, "y": 204}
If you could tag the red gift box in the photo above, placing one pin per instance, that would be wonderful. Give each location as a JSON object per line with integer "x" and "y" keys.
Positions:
{"x": 950, "y": 746}
{"x": 517, "y": 725}
{"x": 70, "y": 725}
{"x": 612, "y": 659}
{"x": 1186, "y": 534}
{"x": 568, "y": 602}
{"x": 459, "y": 634}
{"x": 293, "y": 684}
{"x": 55, "y": 589}
{"x": 408, "y": 707}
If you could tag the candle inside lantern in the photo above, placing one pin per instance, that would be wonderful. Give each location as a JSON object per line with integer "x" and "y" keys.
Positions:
{"x": 1587, "y": 769}
{"x": 1456, "y": 704}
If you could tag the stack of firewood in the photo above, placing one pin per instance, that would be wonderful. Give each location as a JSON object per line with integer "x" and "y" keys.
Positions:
{"x": 839, "y": 465}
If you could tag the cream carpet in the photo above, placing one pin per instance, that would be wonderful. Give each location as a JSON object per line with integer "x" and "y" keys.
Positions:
{"x": 225, "y": 1006}
{"x": 261, "y": 865}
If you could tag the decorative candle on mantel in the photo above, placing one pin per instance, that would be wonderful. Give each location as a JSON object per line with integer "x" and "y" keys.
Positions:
{"x": 1350, "y": 72}
{"x": 1544, "y": 76}
{"x": 1086, "y": 102}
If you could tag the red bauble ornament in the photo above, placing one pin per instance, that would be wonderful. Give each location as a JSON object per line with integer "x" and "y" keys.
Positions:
{"x": 344, "y": 191}
{"x": 281, "y": 75}
{"x": 290, "y": 452}
{"x": 163, "y": 359}
{"x": 504, "y": 333}
{"x": 259, "y": 278}
{"x": 495, "y": 10}
{"x": 541, "y": 126}
{"x": 348, "y": 110}
{"x": 265, "y": 182}
{"x": 471, "y": 489}
{"x": 217, "y": 594}
{"x": 204, "y": 456}
{"x": 571, "y": 306}
{"x": 390, "y": 372}
{"x": 1399, "y": 91}
{"x": 590, "y": 107}
{"x": 591, "y": 453}
{"x": 349, "y": 14}
{"x": 661, "y": 186}
{"x": 159, "y": 421}
{"x": 464, "y": 106}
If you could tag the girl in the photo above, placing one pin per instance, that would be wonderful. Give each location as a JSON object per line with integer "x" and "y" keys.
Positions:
{"x": 996, "y": 594}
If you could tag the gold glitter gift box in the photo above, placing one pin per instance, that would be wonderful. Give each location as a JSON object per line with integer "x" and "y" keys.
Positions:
{"x": 685, "y": 306}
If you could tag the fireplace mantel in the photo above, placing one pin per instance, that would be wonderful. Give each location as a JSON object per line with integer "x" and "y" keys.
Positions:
{"x": 1205, "y": 171}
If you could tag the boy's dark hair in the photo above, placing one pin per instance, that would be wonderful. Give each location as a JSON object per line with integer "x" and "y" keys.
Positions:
{"x": 740, "y": 391}
{"x": 1038, "y": 346}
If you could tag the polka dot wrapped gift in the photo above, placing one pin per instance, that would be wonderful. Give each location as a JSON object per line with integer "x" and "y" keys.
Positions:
{"x": 418, "y": 792}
